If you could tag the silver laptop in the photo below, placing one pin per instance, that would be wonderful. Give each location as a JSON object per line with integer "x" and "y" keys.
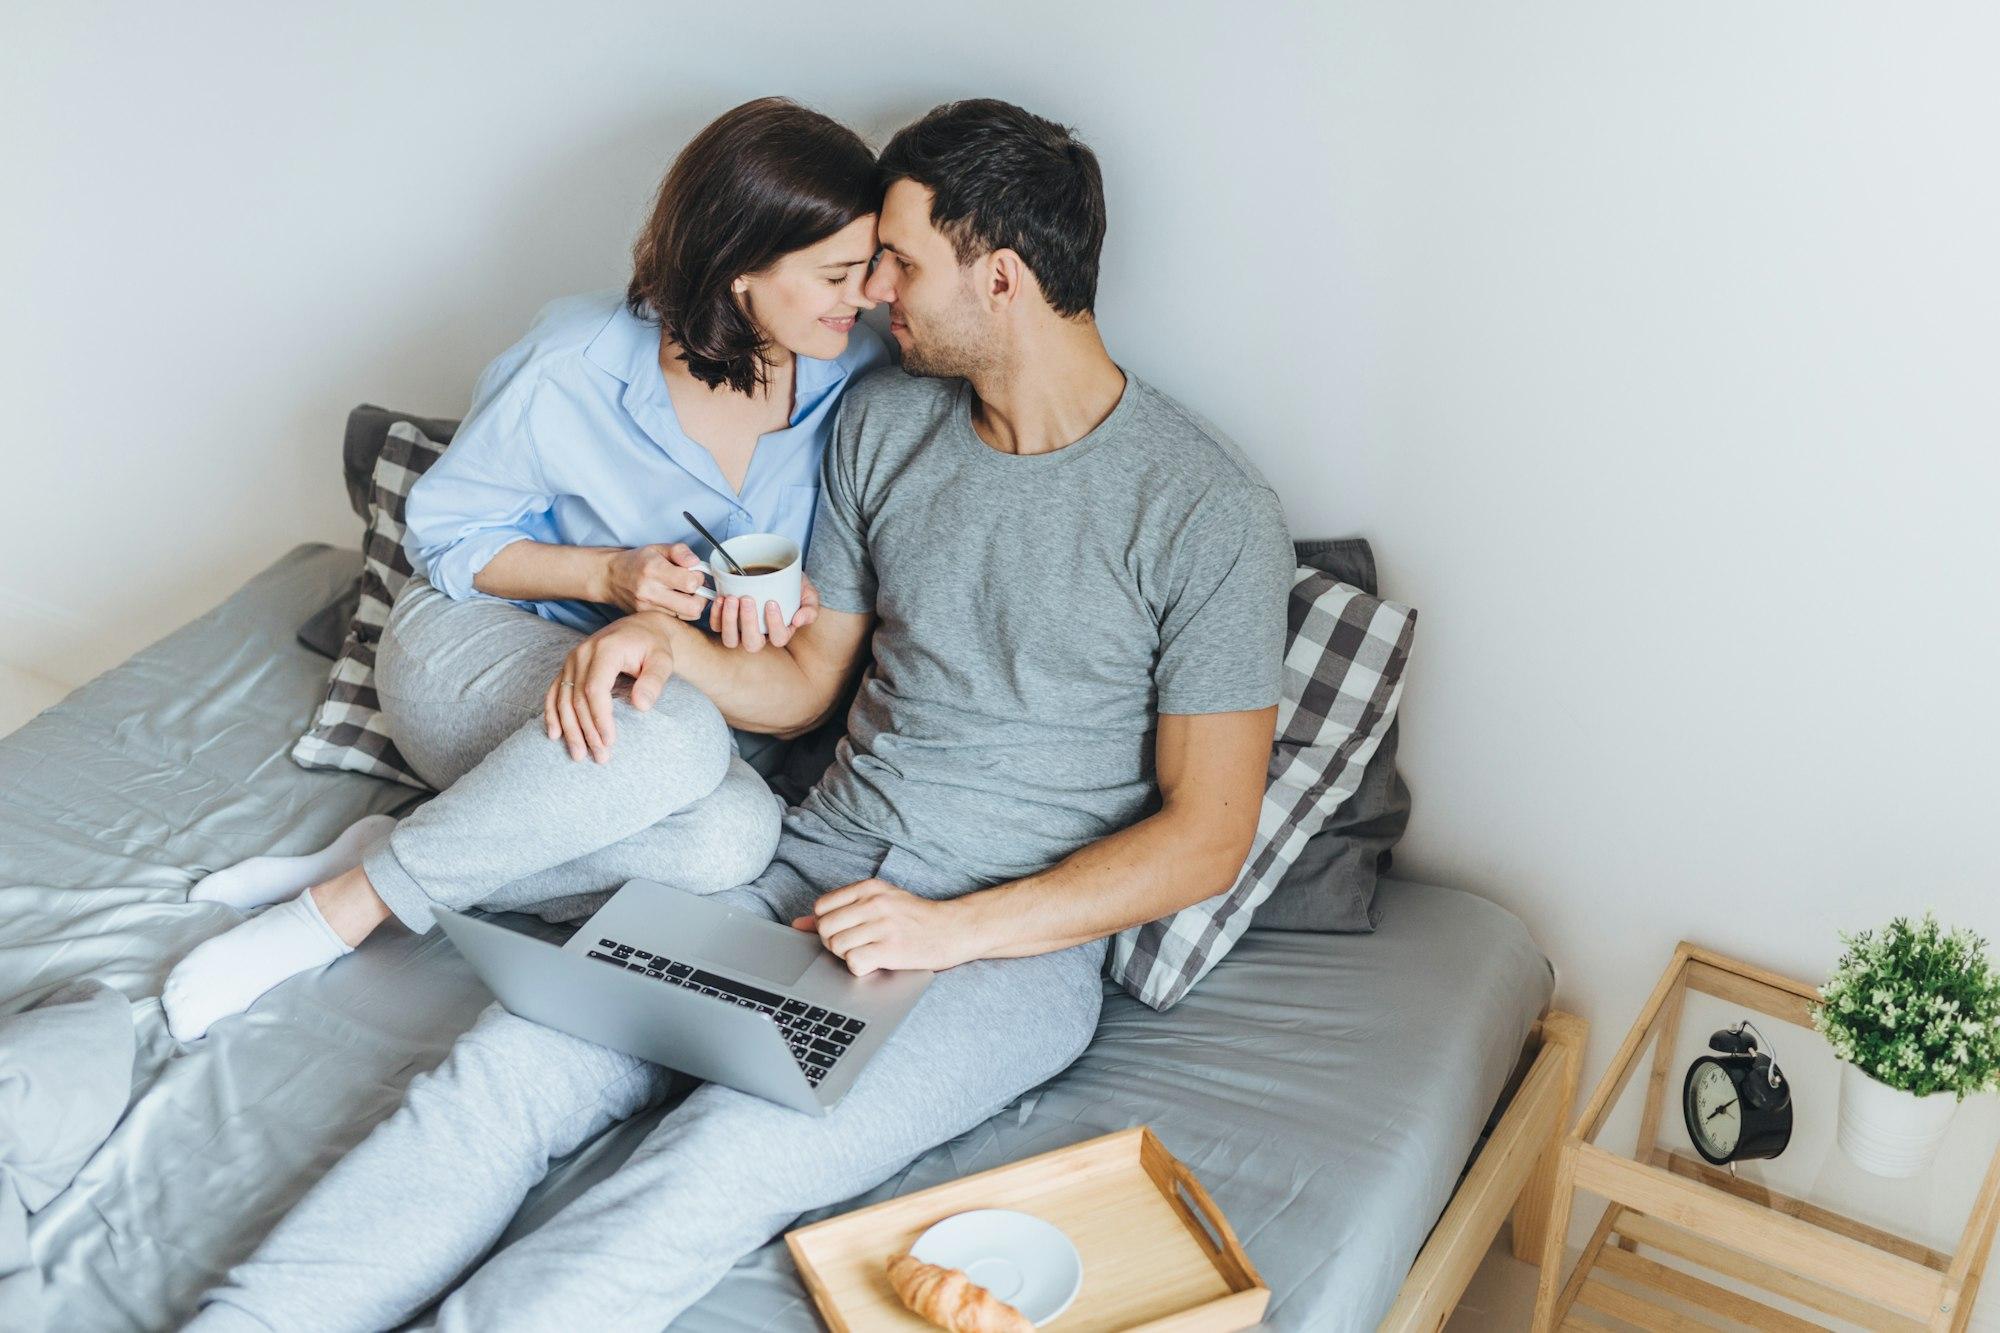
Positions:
{"x": 723, "y": 994}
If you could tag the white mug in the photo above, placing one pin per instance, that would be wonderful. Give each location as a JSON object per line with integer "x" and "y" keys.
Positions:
{"x": 758, "y": 548}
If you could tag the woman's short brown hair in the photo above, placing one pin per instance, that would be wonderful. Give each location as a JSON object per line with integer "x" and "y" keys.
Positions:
{"x": 763, "y": 180}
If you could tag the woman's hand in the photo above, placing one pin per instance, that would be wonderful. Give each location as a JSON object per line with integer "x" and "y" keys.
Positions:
{"x": 736, "y": 620}
{"x": 577, "y": 708}
{"x": 656, "y": 578}
{"x": 874, "y": 925}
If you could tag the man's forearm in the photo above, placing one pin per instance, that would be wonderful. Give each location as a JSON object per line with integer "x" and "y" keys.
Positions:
{"x": 768, "y": 692}
{"x": 1154, "y": 868}
{"x": 532, "y": 571}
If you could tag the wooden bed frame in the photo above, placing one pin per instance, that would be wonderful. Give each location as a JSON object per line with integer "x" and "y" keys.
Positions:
{"x": 1514, "y": 1173}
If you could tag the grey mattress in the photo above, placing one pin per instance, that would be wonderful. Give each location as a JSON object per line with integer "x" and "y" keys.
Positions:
{"x": 1327, "y": 1089}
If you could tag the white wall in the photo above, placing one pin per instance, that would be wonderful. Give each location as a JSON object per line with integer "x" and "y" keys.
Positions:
{"x": 1653, "y": 345}
{"x": 1667, "y": 387}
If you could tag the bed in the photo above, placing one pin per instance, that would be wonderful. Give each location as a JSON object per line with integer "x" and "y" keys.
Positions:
{"x": 1328, "y": 1089}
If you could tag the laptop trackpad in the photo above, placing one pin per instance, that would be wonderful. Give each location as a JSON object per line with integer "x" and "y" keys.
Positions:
{"x": 779, "y": 956}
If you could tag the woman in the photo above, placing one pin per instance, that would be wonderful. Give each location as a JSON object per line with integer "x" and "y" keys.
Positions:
{"x": 711, "y": 388}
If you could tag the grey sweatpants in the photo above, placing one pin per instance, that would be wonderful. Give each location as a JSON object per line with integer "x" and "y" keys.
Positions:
{"x": 422, "y": 1199}
{"x": 518, "y": 824}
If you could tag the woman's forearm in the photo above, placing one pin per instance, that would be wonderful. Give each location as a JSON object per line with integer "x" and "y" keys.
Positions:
{"x": 531, "y": 571}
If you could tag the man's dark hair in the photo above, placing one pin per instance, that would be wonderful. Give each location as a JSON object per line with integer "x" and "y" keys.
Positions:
{"x": 1005, "y": 179}
{"x": 764, "y": 179}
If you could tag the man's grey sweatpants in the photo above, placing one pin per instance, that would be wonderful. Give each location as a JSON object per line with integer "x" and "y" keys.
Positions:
{"x": 518, "y": 824}
{"x": 424, "y": 1197}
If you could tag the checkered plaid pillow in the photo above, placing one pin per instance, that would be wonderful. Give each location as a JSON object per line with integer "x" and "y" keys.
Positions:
{"x": 347, "y": 732}
{"x": 1344, "y": 662}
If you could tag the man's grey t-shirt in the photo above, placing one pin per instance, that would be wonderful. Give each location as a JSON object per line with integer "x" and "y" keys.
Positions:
{"x": 1034, "y": 613}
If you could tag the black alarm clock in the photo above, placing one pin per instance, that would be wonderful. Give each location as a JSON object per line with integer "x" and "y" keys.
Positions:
{"x": 1737, "y": 1101}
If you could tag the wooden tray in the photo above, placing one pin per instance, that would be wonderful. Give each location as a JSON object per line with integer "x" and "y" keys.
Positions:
{"x": 1134, "y": 1212}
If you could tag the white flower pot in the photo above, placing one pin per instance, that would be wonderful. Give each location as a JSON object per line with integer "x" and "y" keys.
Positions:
{"x": 1887, "y": 1131}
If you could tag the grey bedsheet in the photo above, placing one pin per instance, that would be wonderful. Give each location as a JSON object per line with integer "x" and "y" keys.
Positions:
{"x": 1327, "y": 1089}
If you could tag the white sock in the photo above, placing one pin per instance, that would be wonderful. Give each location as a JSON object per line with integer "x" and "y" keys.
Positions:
{"x": 263, "y": 880}
{"x": 225, "y": 975}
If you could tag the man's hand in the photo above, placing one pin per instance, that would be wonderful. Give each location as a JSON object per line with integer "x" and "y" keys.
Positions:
{"x": 735, "y": 619}
{"x": 577, "y": 708}
{"x": 655, "y": 578}
{"x": 875, "y": 925}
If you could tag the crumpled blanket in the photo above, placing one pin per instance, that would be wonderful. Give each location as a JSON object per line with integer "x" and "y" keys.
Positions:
{"x": 65, "y": 1078}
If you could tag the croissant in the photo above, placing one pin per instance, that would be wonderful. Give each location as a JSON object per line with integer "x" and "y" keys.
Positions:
{"x": 951, "y": 1300}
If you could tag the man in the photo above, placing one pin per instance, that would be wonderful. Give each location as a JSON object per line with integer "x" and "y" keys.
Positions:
{"x": 1075, "y": 592}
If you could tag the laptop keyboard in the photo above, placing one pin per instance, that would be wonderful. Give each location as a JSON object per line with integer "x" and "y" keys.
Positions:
{"x": 818, "y": 1037}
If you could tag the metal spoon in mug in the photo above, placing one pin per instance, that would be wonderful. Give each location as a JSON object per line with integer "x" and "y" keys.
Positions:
{"x": 720, "y": 549}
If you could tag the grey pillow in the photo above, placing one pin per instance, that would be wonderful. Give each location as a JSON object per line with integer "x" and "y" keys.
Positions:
{"x": 367, "y": 430}
{"x": 325, "y": 630}
{"x": 1330, "y": 888}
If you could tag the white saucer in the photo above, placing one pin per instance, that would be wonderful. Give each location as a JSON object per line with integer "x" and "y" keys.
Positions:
{"x": 1018, "y": 1257}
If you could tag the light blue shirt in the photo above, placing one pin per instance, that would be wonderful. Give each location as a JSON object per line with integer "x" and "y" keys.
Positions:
{"x": 572, "y": 440}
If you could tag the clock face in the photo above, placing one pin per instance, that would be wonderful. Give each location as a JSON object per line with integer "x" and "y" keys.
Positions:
{"x": 1714, "y": 1116}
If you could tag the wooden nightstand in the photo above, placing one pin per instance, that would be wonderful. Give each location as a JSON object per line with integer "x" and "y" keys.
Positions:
{"x": 1682, "y": 1208}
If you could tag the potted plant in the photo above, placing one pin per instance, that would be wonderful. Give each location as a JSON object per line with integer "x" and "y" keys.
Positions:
{"x": 1913, "y": 1013}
